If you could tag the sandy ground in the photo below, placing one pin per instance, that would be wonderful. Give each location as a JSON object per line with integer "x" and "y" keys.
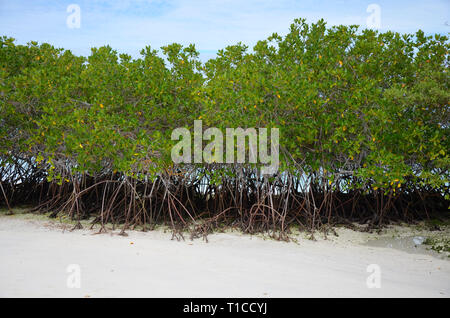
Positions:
{"x": 35, "y": 256}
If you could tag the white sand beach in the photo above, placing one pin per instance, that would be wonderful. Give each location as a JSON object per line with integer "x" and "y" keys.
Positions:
{"x": 35, "y": 255}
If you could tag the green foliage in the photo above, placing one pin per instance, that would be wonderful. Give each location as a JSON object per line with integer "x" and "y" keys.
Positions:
{"x": 363, "y": 109}
{"x": 438, "y": 244}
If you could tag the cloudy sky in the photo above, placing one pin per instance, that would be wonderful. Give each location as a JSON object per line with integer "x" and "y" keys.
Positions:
{"x": 129, "y": 25}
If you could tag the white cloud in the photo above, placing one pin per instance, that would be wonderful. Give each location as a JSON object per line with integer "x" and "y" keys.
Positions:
{"x": 130, "y": 25}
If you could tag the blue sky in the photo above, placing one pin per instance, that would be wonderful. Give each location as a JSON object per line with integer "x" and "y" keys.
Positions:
{"x": 130, "y": 25}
